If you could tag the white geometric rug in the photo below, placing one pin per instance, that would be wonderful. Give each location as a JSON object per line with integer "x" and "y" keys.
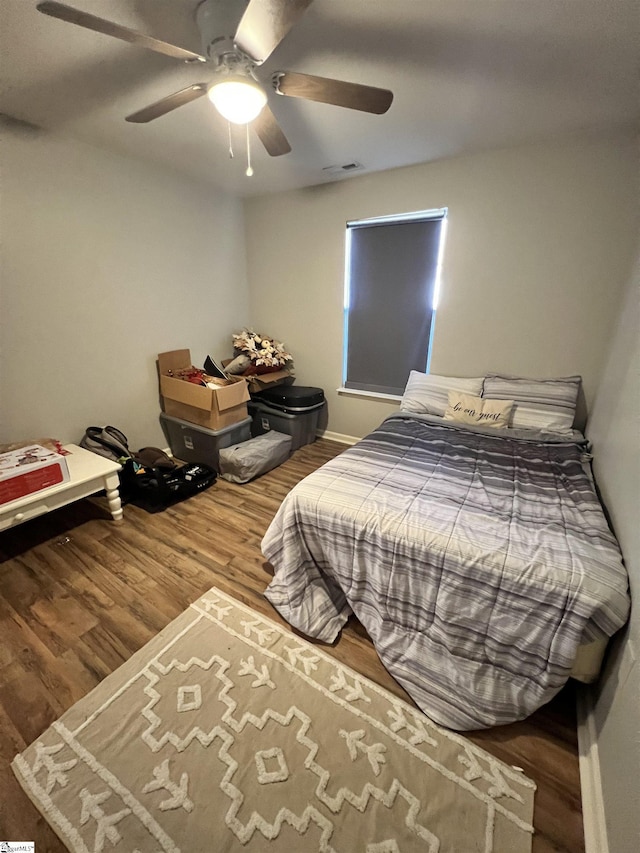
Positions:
{"x": 228, "y": 733}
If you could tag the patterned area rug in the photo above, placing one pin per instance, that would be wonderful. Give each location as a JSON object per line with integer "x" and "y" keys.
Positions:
{"x": 228, "y": 733}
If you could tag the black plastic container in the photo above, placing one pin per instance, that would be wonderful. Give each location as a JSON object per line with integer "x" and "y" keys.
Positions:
{"x": 291, "y": 399}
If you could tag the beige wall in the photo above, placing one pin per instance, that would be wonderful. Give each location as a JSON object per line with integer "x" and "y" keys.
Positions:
{"x": 538, "y": 249}
{"x": 614, "y": 432}
{"x": 105, "y": 262}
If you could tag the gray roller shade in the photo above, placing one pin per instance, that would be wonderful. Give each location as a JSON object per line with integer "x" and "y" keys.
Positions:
{"x": 391, "y": 277}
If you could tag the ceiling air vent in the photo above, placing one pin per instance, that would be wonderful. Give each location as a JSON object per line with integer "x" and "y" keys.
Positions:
{"x": 353, "y": 166}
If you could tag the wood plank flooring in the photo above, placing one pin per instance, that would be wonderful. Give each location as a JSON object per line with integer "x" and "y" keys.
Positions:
{"x": 79, "y": 594}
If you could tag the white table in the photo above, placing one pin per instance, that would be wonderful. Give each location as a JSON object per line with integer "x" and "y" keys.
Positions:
{"x": 88, "y": 474}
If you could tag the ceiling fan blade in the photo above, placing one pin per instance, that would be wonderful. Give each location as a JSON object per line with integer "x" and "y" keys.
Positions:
{"x": 100, "y": 25}
{"x": 171, "y": 102}
{"x": 353, "y": 96}
{"x": 270, "y": 133}
{"x": 265, "y": 23}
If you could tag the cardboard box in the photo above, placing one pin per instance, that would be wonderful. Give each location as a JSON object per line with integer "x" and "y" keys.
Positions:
{"x": 213, "y": 408}
{"x": 30, "y": 469}
{"x": 266, "y": 380}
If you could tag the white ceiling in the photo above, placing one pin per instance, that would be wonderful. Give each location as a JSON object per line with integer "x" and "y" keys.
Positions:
{"x": 467, "y": 75}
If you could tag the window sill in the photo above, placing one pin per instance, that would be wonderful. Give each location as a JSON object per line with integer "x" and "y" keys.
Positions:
{"x": 370, "y": 395}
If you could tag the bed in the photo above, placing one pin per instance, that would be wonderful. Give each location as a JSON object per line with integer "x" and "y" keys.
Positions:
{"x": 478, "y": 559}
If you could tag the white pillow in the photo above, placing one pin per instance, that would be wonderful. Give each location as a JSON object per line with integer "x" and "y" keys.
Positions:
{"x": 548, "y": 404}
{"x": 428, "y": 393}
{"x": 467, "y": 409}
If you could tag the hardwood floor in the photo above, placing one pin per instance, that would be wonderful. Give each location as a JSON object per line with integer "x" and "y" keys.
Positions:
{"x": 79, "y": 594}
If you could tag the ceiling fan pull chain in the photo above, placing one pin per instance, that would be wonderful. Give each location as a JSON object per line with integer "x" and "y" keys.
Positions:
{"x": 249, "y": 171}
{"x": 230, "y": 142}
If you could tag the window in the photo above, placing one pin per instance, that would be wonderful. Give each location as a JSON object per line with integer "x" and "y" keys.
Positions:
{"x": 391, "y": 283}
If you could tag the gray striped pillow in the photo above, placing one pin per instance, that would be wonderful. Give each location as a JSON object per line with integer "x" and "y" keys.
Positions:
{"x": 428, "y": 393}
{"x": 548, "y": 404}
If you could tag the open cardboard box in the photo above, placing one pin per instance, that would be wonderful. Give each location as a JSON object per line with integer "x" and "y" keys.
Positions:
{"x": 266, "y": 380}
{"x": 214, "y": 408}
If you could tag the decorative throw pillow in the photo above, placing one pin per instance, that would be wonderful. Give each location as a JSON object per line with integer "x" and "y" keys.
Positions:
{"x": 548, "y": 404}
{"x": 467, "y": 409}
{"x": 428, "y": 393}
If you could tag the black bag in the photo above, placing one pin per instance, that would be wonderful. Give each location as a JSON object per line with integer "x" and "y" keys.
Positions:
{"x": 155, "y": 489}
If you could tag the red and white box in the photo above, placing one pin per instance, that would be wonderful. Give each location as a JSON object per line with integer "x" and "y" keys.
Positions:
{"x": 30, "y": 469}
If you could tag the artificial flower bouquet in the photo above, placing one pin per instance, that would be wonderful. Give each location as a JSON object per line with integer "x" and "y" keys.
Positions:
{"x": 256, "y": 353}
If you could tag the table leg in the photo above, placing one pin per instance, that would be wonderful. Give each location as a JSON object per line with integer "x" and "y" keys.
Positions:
{"x": 112, "y": 485}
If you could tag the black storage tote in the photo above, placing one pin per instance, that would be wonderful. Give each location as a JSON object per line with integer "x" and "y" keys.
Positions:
{"x": 292, "y": 399}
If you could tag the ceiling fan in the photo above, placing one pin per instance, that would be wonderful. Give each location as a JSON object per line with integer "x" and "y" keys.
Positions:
{"x": 236, "y": 50}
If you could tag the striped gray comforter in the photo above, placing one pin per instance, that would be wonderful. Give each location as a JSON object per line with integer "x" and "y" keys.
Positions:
{"x": 477, "y": 563}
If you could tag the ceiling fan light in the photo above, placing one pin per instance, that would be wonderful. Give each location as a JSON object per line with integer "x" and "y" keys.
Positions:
{"x": 237, "y": 99}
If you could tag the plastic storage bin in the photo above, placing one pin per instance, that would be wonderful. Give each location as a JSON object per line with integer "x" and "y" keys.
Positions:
{"x": 301, "y": 426}
{"x": 193, "y": 443}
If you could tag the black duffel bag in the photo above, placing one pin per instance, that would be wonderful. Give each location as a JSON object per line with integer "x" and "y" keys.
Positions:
{"x": 155, "y": 489}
